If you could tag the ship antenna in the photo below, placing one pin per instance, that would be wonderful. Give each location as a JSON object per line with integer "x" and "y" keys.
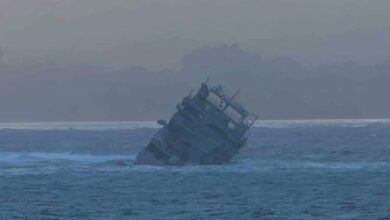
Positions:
{"x": 235, "y": 94}
{"x": 207, "y": 80}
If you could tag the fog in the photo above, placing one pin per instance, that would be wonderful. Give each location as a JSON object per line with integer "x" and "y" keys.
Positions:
{"x": 134, "y": 60}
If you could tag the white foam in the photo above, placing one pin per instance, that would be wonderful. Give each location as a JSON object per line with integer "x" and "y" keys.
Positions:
{"x": 311, "y": 165}
{"x": 79, "y": 125}
{"x": 11, "y": 157}
{"x": 266, "y": 166}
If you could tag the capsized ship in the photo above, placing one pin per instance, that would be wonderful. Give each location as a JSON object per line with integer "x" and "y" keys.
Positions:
{"x": 209, "y": 127}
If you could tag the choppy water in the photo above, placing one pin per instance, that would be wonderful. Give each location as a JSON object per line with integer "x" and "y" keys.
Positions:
{"x": 289, "y": 170}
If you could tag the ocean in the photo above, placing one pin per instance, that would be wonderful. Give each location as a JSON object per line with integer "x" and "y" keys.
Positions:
{"x": 321, "y": 169}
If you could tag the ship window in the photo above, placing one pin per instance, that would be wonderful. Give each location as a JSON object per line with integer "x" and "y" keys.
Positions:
{"x": 216, "y": 101}
{"x": 221, "y": 104}
{"x": 233, "y": 114}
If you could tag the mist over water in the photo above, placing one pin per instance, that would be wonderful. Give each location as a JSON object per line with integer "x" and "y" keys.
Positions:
{"x": 336, "y": 169}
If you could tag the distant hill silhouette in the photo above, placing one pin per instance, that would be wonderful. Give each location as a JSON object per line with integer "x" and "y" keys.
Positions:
{"x": 273, "y": 88}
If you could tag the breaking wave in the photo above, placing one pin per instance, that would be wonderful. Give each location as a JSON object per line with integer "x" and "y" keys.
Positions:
{"x": 261, "y": 166}
{"x": 10, "y": 157}
{"x": 80, "y": 125}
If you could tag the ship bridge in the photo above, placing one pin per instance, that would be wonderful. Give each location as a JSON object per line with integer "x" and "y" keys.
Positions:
{"x": 221, "y": 99}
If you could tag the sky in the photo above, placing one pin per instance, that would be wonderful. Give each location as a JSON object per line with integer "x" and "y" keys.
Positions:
{"x": 157, "y": 33}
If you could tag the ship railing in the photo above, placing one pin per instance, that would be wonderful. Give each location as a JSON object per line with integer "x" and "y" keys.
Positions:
{"x": 250, "y": 120}
{"x": 246, "y": 117}
{"x": 229, "y": 99}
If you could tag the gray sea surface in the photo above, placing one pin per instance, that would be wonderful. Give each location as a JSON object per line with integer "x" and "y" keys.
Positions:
{"x": 326, "y": 169}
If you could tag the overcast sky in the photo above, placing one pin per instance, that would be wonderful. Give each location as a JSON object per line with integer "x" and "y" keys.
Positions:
{"x": 64, "y": 60}
{"x": 157, "y": 33}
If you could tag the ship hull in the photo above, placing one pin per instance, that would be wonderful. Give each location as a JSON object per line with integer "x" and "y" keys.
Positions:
{"x": 153, "y": 155}
{"x": 147, "y": 157}
{"x": 182, "y": 142}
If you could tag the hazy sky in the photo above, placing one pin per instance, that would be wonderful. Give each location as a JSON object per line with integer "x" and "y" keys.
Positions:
{"x": 67, "y": 60}
{"x": 157, "y": 33}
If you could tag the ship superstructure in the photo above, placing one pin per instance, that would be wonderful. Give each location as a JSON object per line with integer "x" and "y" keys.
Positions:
{"x": 209, "y": 127}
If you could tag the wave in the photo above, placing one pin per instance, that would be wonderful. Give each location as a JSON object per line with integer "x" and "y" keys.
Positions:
{"x": 268, "y": 166}
{"x": 336, "y": 165}
{"x": 79, "y": 125}
{"x": 39, "y": 163}
{"x": 11, "y": 157}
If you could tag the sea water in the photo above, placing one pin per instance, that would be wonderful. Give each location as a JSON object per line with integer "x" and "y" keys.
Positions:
{"x": 328, "y": 169}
